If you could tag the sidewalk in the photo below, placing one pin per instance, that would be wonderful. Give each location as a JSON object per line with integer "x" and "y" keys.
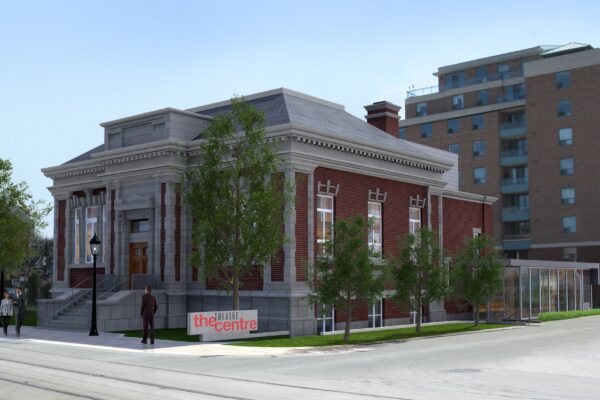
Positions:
{"x": 118, "y": 342}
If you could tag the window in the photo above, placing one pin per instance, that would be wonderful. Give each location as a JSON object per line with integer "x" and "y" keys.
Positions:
{"x": 514, "y": 92}
{"x": 567, "y": 166}
{"x": 140, "y": 225}
{"x": 570, "y": 254}
{"x": 569, "y": 224}
{"x": 402, "y": 133}
{"x": 478, "y": 148}
{"x": 375, "y": 237}
{"x": 77, "y": 236}
{"x": 324, "y": 222}
{"x": 452, "y": 125}
{"x": 414, "y": 220}
{"x": 565, "y": 137}
{"x": 454, "y": 148}
{"x": 426, "y": 130}
{"x": 482, "y": 98}
{"x": 325, "y": 318}
{"x": 564, "y": 108}
{"x": 567, "y": 195}
{"x": 481, "y": 74}
{"x": 455, "y": 80}
{"x": 376, "y": 314}
{"x": 91, "y": 222}
{"x": 563, "y": 80}
{"x": 458, "y": 102}
{"x": 479, "y": 176}
{"x": 477, "y": 122}
{"x": 503, "y": 70}
{"x": 421, "y": 109}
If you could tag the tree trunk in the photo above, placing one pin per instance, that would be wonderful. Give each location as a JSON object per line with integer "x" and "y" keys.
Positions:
{"x": 236, "y": 291}
{"x": 348, "y": 321}
{"x": 476, "y": 314}
{"x": 419, "y": 316}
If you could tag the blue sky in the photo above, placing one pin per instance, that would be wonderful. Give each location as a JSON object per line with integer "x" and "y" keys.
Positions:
{"x": 67, "y": 66}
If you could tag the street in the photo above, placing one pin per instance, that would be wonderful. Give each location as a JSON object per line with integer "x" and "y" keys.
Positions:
{"x": 557, "y": 360}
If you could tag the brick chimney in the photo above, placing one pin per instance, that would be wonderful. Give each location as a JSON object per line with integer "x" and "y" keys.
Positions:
{"x": 384, "y": 115}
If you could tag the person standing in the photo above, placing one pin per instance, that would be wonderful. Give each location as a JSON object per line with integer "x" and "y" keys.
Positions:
{"x": 6, "y": 311}
{"x": 20, "y": 307}
{"x": 149, "y": 308}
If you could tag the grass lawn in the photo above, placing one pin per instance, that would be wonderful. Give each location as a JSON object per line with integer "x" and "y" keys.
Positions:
{"x": 332, "y": 340}
{"x": 558, "y": 315}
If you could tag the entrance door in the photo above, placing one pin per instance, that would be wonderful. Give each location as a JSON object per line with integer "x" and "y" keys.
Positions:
{"x": 138, "y": 259}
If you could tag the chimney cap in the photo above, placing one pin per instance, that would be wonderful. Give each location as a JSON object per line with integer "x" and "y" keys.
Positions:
{"x": 384, "y": 105}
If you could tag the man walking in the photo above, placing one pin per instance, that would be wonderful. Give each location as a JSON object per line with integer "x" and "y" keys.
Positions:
{"x": 149, "y": 308}
{"x": 19, "y": 309}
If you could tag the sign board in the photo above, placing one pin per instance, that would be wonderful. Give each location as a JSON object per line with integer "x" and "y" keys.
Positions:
{"x": 222, "y": 325}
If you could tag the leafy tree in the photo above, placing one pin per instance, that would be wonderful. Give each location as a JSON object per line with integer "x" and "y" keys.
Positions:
{"x": 477, "y": 274}
{"x": 33, "y": 287}
{"x": 20, "y": 218}
{"x": 420, "y": 279}
{"x": 238, "y": 205}
{"x": 345, "y": 273}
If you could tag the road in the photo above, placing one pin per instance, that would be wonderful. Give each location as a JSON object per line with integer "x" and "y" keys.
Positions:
{"x": 558, "y": 360}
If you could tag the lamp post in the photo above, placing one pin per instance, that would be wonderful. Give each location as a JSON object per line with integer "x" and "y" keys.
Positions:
{"x": 95, "y": 247}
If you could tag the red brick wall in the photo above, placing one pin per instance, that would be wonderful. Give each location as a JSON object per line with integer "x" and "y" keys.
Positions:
{"x": 278, "y": 261}
{"x": 353, "y": 197}
{"x": 301, "y": 226}
{"x": 112, "y": 231}
{"x": 79, "y": 275}
{"x": 460, "y": 217}
{"x": 435, "y": 217}
{"x": 163, "y": 212}
{"x": 60, "y": 242}
{"x": 391, "y": 310}
{"x": 177, "y": 235}
{"x": 253, "y": 280}
{"x": 360, "y": 312}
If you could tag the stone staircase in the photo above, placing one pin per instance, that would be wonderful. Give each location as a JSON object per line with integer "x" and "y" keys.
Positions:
{"x": 78, "y": 315}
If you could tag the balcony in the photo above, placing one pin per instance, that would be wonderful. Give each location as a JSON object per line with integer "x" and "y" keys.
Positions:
{"x": 513, "y": 157}
{"x": 515, "y": 214}
{"x": 513, "y": 129}
{"x": 463, "y": 83}
{"x": 510, "y": 97}
{"x": 515, "y": 185}
{"x": 518, "y": 241}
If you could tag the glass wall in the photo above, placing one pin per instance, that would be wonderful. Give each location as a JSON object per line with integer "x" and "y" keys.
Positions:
{"x": 530, "y": 291}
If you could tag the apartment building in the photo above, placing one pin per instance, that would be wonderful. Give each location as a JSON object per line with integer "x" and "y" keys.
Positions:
{"x": 525, "y": 126}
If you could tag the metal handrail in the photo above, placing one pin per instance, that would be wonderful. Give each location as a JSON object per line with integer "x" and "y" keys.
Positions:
{"x": 117, "y": 284}
{"x": 75, "y": 298}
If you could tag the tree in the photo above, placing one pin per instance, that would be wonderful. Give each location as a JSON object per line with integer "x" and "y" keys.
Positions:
{"x": 237, "y": 202}
{"x": 33, "y": 288}
{"x": 345, "y": 273}
{"x": 20, "y": 219}
{"x": 419, "y": 275}
{"x": 477, "y": 274}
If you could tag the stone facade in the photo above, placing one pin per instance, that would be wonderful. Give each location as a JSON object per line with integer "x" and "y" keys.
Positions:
{"x": 128, "y": 192}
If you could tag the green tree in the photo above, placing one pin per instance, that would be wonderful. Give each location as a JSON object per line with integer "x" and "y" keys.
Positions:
{"x": 477, "y": 274}
{"x": 345, "y": 274}
{"x": 20, "y": 219}
{"x": 33, "y": 288}
{"x": 237, "y": 202}
{"x": 420, "y": 277}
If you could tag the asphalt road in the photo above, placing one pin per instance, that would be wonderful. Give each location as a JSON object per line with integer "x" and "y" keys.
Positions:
{"x": 558, "y": 360}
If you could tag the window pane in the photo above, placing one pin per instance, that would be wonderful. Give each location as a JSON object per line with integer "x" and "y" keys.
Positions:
{"x": 565, "y": 137}
{"x": 567, "y": 166}
{"x": 563, "y": 80}
{"x": 477, "y": 122}
{"x": 454, "y": 148}
{"x": 452, "y": 125}
{"x": 426, "y": 130}
{"x": 569, "y": 224}
{"x": 564, "y": 108}
{"x": 479, "y": 176}
{"x": 567, "y": 195}
{"x": 478, "y": 148}
{"x": 482, "y": 98}
{"x": 458, "y": 102}
{"x": 77, "y": 237}
{"x": 421, "y": 109}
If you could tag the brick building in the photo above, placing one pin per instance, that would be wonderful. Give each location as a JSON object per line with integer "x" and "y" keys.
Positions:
{"x": 524, "y": 125}
{"x": 125, "y": 190}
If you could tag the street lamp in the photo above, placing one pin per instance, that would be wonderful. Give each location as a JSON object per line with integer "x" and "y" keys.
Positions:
{"x": 95, "y": 247}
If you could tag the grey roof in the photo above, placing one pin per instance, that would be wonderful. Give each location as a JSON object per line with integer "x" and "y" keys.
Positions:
{"x": 87, "y": 155}
{"x": 301, "y": 110}
{"x": 567, "y": 48}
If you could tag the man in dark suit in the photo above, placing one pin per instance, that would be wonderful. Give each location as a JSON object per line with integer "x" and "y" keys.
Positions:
{"x": 20, "y": 307}
{"x": 149, "y": 308}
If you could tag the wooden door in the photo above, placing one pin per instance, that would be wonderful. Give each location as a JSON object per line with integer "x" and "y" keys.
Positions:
{"x": 138, "y": 259}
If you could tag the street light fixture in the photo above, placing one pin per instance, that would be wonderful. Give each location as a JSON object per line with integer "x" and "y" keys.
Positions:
{"x": 95, "y": 247}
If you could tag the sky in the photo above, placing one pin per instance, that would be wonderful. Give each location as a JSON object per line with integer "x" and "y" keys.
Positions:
{"x": 67, "y": 66}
